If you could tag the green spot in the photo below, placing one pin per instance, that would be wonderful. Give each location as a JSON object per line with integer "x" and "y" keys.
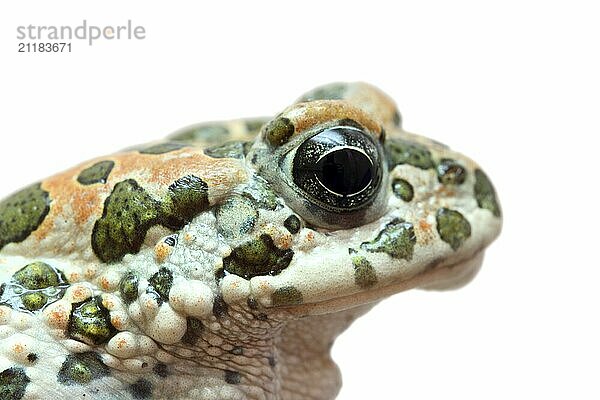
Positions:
{"x": 130, "y": 211}
{"x": 22, "y": 213}
{"x": 286, "y": 296}
{"x": 34, "y": 301}
{"x": 453, "y": 228}
{"x": 38, "y": 275}
{"x": 396, "y": 239}
{"x": 128, "y": 214}
{"x": 162, "y": 148}
{"x": 208, "y": 133}
{"x": 188, "y": 196}
{"x": 160, "y": 283}
{"x": 292, "y": 224}
{"x": 237, "y": 149}
{"x": 232, "y": 377}
{"x": 128, "y": 287}
{"x": 450, "y": 172}
{"x": 364, "y": 273}
{"x": 141, "y": 389}
{"x": 397, "y": 118}
{"x": 90, "y": 322}
{"x": 332, "y": 91}
{"x": 257, "y": 256}
{"x": 402, "y": 151}
{"x": 485, "y": 193}
{"x": 261, "y": 193}
{"x": 236, "y": 216}
{"x": 97, "y": 173}
{"x": 279, "y": 131}
{"x": 403, "y": 189}
{"x": 193, "y": 332}
{"x": 13, "y": 382}
{"x": 161, "y": 370}
{"x": 33, "y": 287}
{"x": 82, "y": 368}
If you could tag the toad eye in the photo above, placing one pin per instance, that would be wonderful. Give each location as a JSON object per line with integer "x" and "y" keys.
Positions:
{"x": 338, "y": 172}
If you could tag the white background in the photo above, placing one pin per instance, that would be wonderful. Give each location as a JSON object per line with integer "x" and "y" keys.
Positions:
{"x": 515, "y": 85}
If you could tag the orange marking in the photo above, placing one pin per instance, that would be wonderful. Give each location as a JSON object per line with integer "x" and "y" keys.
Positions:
{"x": 74, "y": 277}
{"x": 424, "y": 225}
{"x": 80, "y": 293}
{"x": 162, "y": 251}
{"x": 151, "y": 171}
{"x": 104, "y": 283}
{"x": 306, "y": 115}
{"x": 117, "y": 322}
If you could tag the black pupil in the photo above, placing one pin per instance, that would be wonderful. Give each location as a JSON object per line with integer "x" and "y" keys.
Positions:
{"x": 345, "y": 171}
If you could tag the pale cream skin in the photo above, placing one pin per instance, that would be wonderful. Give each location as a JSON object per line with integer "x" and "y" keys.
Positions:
{"x": 260, "y": 329}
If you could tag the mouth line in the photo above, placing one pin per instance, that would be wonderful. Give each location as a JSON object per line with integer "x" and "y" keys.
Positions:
{"x": 430, "y": 278}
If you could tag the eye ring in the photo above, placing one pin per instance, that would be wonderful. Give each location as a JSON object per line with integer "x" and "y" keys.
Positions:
{"x": 338, "y": 170}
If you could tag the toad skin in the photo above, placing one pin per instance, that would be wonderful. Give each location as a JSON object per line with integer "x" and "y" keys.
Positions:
{"x": 223, "y": 261}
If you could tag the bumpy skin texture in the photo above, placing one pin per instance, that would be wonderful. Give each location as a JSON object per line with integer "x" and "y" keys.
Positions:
{"x": 197, "y": 268}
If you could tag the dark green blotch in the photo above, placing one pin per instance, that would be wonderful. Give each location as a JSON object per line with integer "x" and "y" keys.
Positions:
{"x": 236, "y": 149}
{"x": 32, "y": 357}
{"x": 403, "y": 189}
{"x": 237, "y": 350}
{"x": 220, "y": 308}
{"x": 232, "y": 377}
{"x": 128, "y": 213}
{"x": 453, "y": 227}
{"x": 450, "y": 172}
{"x": 97, "y": 173}
{"x": 261, "y": 317}
{"x": 161, "y": 283}
{"x": 22, "y": 213}
{"x": 261, "y": 193}
{"x": 161, "y": 370}
{"x": 33, "y": 287}
{"x": 188, "y": 196}
{"x": 13, "y": 382}
{"x": 485, "y": 193}
{"x": 401, "y": 151}
{"x": 193, "y": 332}
{"x": 128, "y": 287}
{"x": 332, "y": 91}
{"x": 34, "y": 301}
{"x": 292, "y": 224}
{"x": 397, "y": 118}
{"x": 90, "y": 322}
{"x": 286, "y": 296}
{"x": 279, "y": 131}
{"x": 141, "y": 389}
{"x": 236, "y": 216}
{"x": 396, "y": 239}
{"x": 38, "y": 275}
{"x": 364, "y": 273}
{"x": 257, "y": 256}
{"x": 162, "y": 148}
{"x": 82, "y": 368}
{"x": 211, "y": 133}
